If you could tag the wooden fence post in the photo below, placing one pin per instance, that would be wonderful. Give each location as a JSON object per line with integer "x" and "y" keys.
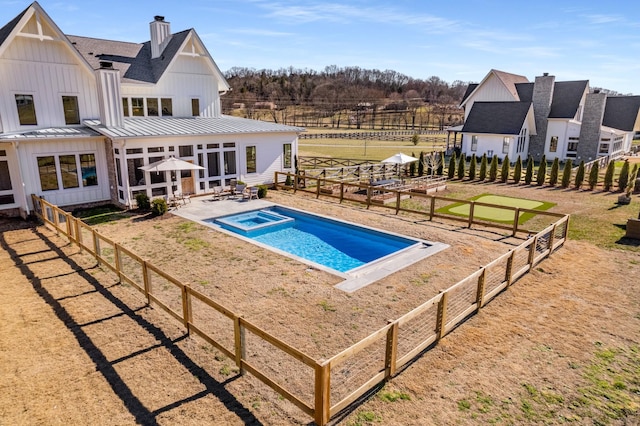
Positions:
{"x": 96, "y": 243}
{"x": 295, "y": 182}
{"x": 322, "y": 394}
{"x": 442, "y": 316}
{"x": 318, "y": 184}
{"x": 239, "y": 343}
{"x": 118, "y": 259}
{"x": 516, "y": 219}
{"x": 146, "y": 278}
{"x": 187, "y": 312}
{"x": 69, "y": 230}
{"x": 398, "y": 202}
{"x": 391, "y": 352}
{"x": 432, "y": 208}
{"x": 369, "y": 190}
{"x": 471, "y": 208}
{"x": 552, "y": 238}
{"x": 509, "y": 272}
{"x": 480, "y": 291}
{"x": 532, "y": 252}
{"x": 341, "y": 192}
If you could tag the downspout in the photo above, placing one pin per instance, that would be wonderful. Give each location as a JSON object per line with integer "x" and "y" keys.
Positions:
{"x": 16, "y": 144}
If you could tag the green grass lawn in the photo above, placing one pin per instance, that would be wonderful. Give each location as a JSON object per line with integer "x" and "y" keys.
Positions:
{"x": 494, "y": 214}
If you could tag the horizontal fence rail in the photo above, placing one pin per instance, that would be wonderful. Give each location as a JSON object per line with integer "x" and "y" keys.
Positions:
{"x": 320, "y": 388}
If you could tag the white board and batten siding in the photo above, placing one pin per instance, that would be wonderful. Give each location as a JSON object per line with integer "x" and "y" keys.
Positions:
{"x": 30, "y": 150}
{"x": 492, "y": 90}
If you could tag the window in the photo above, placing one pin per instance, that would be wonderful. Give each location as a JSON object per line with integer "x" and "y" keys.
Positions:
{"x": 505, "y": 144}
{"x": 572, "y": 146}
{"x": 251, "y": 159}
{"x": 88, "y": 168}
{"x": 134, "y": 151}
{"x": 167, "y": 109}
{"x": 71, "y": 111}
{"x": 125, "y": 107}
{"x": 155, "y": 149}
{"x": 156, "y": 177}
{"x": 26, "y": 110}
{"x": 213, "y": 163}
{"x": 69, "y": 171}
{"x": 152, "y": 107}
{"x": 185, "y": 150}
{"x": 119, "y": 172}
{"x": 604, "y": 148}
{"x": 195, "y": 107}
{"x": 286, "y": 153}
{"x": 229, "y": 162}
{"x": 553, "y": 144}
{"x": 137, "y": 107}
{"x": 474, "y": 143}
{"x": 522, "y": 138}
{"x": 48, "y": 173}
{"x": 136, "y": 176}
{"x": 5, "y": 183}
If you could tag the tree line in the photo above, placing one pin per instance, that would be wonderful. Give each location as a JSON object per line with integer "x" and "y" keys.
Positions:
{"x": 344, "y": 96}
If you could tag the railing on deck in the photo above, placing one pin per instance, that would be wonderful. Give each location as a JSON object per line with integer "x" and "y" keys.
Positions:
{"x": 322, "y": 388}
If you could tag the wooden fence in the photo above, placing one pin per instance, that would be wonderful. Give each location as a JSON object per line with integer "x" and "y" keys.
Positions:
{"x": 328, "y": 386}
{"x": 397, "y": 136}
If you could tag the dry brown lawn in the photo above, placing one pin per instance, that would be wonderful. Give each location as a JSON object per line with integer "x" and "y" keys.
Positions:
{"x": 561, "y": 345}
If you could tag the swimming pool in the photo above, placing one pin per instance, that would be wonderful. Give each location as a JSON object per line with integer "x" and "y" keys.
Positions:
{"x": 352, "y": 251}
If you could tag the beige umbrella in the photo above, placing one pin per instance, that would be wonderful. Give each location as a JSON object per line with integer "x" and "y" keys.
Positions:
{"x": 400, "y": 158}
{"x": 170, "y": 164}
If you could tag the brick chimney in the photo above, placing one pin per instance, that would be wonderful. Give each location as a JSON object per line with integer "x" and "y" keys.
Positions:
{"x": 160, "y": 35}
{"x": 542, "y": 97}
{"x": 591, "y": 125}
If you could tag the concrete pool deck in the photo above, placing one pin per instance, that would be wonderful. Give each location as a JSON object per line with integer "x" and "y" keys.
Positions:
{"x": 201, "y": 209}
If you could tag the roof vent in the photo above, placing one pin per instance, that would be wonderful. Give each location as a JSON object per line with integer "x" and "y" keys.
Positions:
{"x": 158, "y": 18}
{"x": 106, "y": 65}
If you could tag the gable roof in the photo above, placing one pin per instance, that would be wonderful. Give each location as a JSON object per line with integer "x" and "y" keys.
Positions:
{"x": 7, "y": 29}
{"x": 501, "y": 118}
{"x": 470, "y": 88}
{"x": 566, "y": 98}
{"x": 507, "y": 79}
{"x": 185, "y": 126}
{"x": 525, "y": 91}
{"x": 622, "y": 112}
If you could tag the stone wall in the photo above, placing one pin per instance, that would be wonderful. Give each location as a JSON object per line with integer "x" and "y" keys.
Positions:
{"x": 542, "y": 96}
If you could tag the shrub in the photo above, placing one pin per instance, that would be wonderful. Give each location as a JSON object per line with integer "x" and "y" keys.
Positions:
{"x": 528, "y": 175}
{"x": 421, "y": 164}
{"x": 159, "y": 207}
{"x": 593, "y": 176}
{"x": 493, "y": 170}
{"x": 472, "y": 167}
{"x": 462, "y": 163}
{"x": 542, "y": 171}
{"x": 412, "y": 166}
{"x": 483, "y": 167}
{"x": 566, "y": 174}
{"x": 517, "y": 171}
{"x": 632, "y": 181}
{"x": 504, "y": 172}
{"x": 142, "y": 200}
{"x": 451, "y": 172}
{"x": 440, "y": 164}
{"x": 553, "y": 176}
{"x": 623, "y": 178}
{"x": 262, "y": 191}
{"x": 288, "y": 181}
{"x": 415, "y": 139}
{"x": 580, "y": 175}
{"x": 608, "y": 175}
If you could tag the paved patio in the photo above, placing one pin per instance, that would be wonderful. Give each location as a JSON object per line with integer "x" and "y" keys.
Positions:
{"x": 205, "y": 207}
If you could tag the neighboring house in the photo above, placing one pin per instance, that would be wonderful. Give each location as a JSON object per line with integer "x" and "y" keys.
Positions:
{"x": 505, "y": 114}
{"x": 79, "y": 116}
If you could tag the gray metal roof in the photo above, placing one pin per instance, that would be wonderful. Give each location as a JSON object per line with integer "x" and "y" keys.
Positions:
{"x": 566, "y": 98}
{"x": 52, "y": 133}
{"x": 175, "y": 126}
{"x": 500, "y": 118}
{"x": 622, "y": 113}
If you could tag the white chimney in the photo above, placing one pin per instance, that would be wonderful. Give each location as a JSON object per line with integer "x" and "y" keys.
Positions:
{"x": 160, "y": 35}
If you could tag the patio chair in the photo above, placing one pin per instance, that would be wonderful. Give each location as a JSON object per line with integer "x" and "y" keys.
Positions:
{"x": 217, "y": 193}
{"x": 250, "y": 193}
{"x": 239, "y": 189}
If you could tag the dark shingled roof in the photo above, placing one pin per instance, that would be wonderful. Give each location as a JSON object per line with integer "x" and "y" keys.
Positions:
{"x": 622, "y": 112}
{"x": 132, "y": 59}
{"x": 470, "y": 88}
{"x": 6, "y": 30}
{"x": 566, "y": 98}
{"x": 525, "y": 91}
{"x": 501, "y": 118}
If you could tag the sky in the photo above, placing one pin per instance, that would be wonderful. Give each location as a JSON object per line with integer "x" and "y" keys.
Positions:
{"x": 458, "y": 40}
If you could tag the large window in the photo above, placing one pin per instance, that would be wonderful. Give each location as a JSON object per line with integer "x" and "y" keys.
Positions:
{"x": 474, "y": 143}
{"x": 185, "y": 151}
{"x": 167, "y": 108}
{"x": 505, "y": 144}
{"x": 48, "y": 173}
{"x": 522, "y": 138}
{"x": 69, "y": 171}
{"x": 251, "y": 159}
{"x": 125, "y": 107}
{"x": 26, "y": 110}
{"x": 553, "y": 144}
{"x": 156, "y": 177}
{"x": 152, "y": 107}
{"x": 137, "y": 107}
{"x": 572, "y": 146}
{"x": 229, "y": 162}
{"x": 195, "y": 107}
{"x": 5, "y": 183}
{"x": 71, "y": 111}
{"x": 88, "y": 168}
{"x": 213, "y": 164}
{"x": 286, "y": 153}
{"x": 136, "y": 176}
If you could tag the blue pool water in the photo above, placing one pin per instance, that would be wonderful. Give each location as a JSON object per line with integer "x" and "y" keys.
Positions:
{"x": 337, "y": 245}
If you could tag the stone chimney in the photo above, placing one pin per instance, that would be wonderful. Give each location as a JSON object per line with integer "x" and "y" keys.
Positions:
{"x": 109, "y": 98}
{"x": 160, "y": 35}
{"x": 542, "y": 97}
{"x": 591, "y": 125}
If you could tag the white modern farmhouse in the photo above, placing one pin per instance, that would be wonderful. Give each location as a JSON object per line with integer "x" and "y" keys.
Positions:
{"x": 505, "y": 114}
{"x": 79, "y": 116}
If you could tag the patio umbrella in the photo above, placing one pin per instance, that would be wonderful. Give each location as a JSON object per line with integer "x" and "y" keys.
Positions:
{"x": 400, "y": 158}
{"x": 170, "y": 164}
